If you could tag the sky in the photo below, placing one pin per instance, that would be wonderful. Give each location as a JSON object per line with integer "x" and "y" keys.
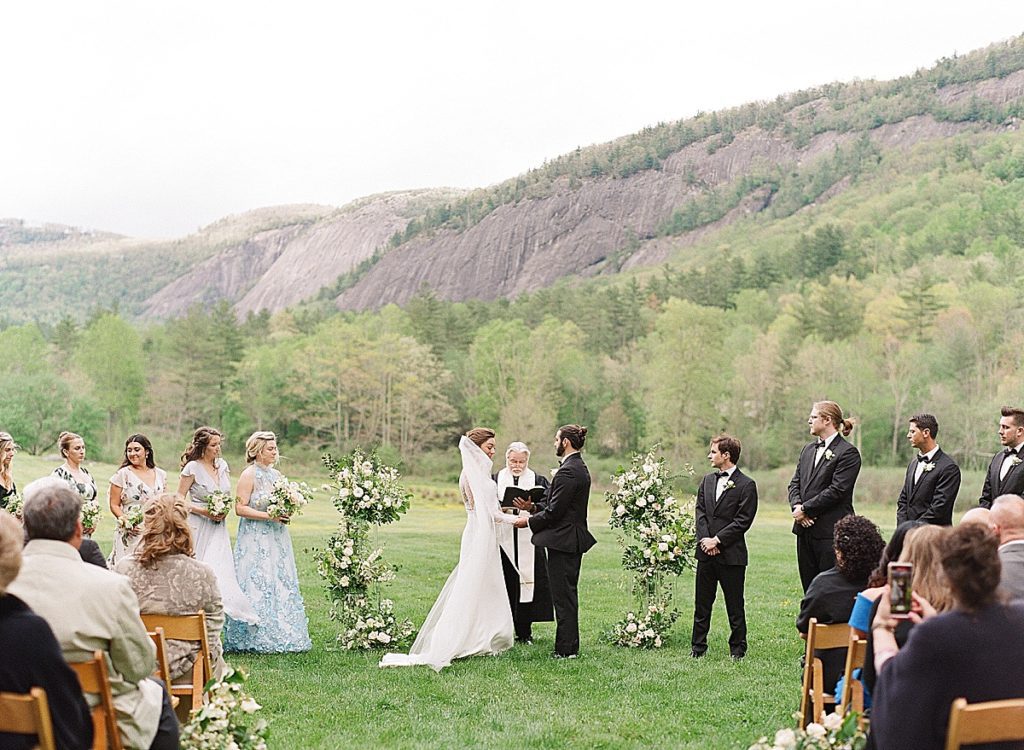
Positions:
{"x": 155, "y": 118}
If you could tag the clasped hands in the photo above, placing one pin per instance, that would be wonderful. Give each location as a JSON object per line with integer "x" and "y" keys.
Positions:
{"x": 709, "y": 546}
{"x": 525, "y": 505}
{"x": 802, "y": 518}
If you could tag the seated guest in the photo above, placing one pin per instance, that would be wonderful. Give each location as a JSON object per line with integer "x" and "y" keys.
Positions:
{"x": 973, "y": 651}
{"x": 32, "y": 657}
{"x": 91, "y": 609}
{"x": 1008, "y": 521}
{"x": 923, "y": 550}
{"x": 858, "y": 545}
{"x": 976, "y": 515}
{"x": 860, "y": 617}
{"x": 168, "y": 580}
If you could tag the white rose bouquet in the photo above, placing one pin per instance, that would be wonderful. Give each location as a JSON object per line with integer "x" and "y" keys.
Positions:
{"x": 13, "y": 504}
{"x": 289, "y": 498}
{"x": 218, "y": 503}
{"x": 131, "y": 520}
{"x": 90, "y": 514}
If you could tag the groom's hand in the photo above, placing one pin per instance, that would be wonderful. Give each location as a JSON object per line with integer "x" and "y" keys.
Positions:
{"x": 523, "y": 504}
{"x": 521, "y": 522}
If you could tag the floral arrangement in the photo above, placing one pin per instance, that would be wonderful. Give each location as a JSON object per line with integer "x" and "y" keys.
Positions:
{"x": 366, "y": 625}
{"x": 367, "y": 489}
{"x": 227, "y": 718}
{"x": 13, "y": 504}
{"x": 218, "y": 503}
{"x": 659, "y": 539}
{"x": 367, "y": 493}
{"x": 288, "y": 498}
{"x": 130, "y": 520}
{"x": 634, "y": 631}
{"x": 90, "y": 514}
{"x": 836, "y": 732}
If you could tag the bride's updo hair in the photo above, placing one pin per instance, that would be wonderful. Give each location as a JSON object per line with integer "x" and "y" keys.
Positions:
{"x": 256, "y": 443}
{"x": 834, "y": 413}
{"x": 480, "y": 435}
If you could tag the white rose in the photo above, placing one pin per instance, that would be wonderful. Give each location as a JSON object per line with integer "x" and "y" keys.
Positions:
{"x": 631, "y": 627}
{"x": 647, "y": 553}
{"x": 641, "y": 502}
{"x": 649, "y": 633}
{"x": 384, "y": 638}
{"x": 343, "y": 493}
{"x": 620, "y": 510}
{"x": 250, "y": 706}
{"x": 815, "y": 730}
{"x": 358, "y": 491}
{"x": 344, "y": 581}
{"x": 785, "y": 738}
{"x": 832, "y": 721}
{"x": 662, "y": 547}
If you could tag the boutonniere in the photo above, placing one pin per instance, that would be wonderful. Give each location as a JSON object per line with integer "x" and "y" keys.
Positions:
{"x": 929, "y": 466}
{"x": 555, "y": 470}
{"x": 829, "y": 455}
{"x": 729, "y": 485}
{"x": 1016, "y": 460}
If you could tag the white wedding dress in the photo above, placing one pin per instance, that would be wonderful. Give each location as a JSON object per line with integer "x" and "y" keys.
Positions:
{"x": 471, "y": 616}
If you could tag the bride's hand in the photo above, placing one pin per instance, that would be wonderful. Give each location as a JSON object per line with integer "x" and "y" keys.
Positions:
{"x": 522, "y": 522}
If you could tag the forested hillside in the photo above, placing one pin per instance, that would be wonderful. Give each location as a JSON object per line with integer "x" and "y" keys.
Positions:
{"x": 890, "y": 284}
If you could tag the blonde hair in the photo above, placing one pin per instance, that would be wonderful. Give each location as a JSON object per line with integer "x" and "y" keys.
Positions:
{"x": 165, "y": 530}
{"x": 834, "y": 413}
{"x": 65, "y": 439}
{"x": 923, "y": 548}
{"x": 256, "y": 443}
{"x": 12, "y": 538}
{"x": 5, "y": 468}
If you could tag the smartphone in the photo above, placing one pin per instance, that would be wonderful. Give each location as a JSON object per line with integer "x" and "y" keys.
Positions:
{"x": 901, "y": 586}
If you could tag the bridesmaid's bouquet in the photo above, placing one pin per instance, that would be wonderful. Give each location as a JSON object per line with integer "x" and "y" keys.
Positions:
{"x": 218, "y": 503}
{"x": 131, "y": 520}
{"x": 13, "y": 504}
{"x": 288, "y": 498}
{"x": 90, "y": 514}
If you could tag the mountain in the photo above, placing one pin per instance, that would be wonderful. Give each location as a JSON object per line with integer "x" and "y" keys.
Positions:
{"x": 640, "y": 201}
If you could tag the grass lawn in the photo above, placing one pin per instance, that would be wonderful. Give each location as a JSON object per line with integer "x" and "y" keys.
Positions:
{"x": 609, "y": 698}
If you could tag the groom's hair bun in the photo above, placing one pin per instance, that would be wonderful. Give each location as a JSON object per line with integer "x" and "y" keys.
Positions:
{"x": 575, "y": 434}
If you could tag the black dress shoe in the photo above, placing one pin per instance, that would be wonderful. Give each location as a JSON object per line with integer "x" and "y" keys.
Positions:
{"x": 697, "y": 654}
{"x": 565, "y": 656}
{"x": 737, "y": 657}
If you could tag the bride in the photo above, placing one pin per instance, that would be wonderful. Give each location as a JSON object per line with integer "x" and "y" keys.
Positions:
{"x": 471, "y": 616}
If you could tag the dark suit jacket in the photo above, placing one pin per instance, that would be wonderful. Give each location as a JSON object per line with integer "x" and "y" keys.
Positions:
{"x": 729, "y": 518}
{"x": 91, "y": 553}
{"x": 32, "y": 658}
{"x": 931, "y": 499}
{"x": 978, "y": 656}
{"x": 830, "y": 599}
{"x": 825, "y": 490}
{"x": 561, "y": 523}
{"x": 1012, "y": 483}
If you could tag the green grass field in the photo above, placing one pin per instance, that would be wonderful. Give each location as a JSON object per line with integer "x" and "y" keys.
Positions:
{"x": 609, "y": 698}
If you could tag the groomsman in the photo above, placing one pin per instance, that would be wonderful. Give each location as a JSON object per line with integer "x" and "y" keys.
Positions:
{"x": 933, "y": 478}
{"x": 1004, "y": 475}
{"x": 821, "y": 491}
{"x": 726, "y": 504}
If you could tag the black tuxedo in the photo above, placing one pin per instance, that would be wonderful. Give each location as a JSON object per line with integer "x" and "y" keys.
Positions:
{"x": 931, "y": 499}
{"x": 1011, "y": 484}
{"x": 826, "y": 493}
{"x": 728, "y": 518}
{"x": 561, "y": 527}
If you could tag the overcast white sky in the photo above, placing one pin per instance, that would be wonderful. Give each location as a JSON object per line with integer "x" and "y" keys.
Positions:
{"x": 155, "y": 118}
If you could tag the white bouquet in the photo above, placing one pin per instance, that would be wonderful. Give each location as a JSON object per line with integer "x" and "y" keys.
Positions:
{"x": 90, "y": 515}
{"x": 218, "y": 503}
{"x": 131, "y": 520}
{"x": 13, "y": 504}
{"x": 288, "y": 498}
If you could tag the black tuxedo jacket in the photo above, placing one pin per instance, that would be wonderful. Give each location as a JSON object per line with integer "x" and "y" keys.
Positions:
{"x": 1012, "y": 484}
{"x": 561, "y": 523}
{"x": 729, "y": 518}
{"x": 931, "y": 499}
{"x": 825, "y": 490}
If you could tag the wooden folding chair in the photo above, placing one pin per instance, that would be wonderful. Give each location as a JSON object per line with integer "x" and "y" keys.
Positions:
{"x": 813, "y": 697}
{"x": 992, "y": 721}
{"x": 163, "y": 671}
{"x": 852, "y": 697}
{"x": 94, "y": 679}
{"x": 28, "y": 713}
{"x": 186, "y": 628}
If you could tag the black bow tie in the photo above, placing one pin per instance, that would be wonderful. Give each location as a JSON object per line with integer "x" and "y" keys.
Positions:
{"x": 820, "y": 444}
{"x": 1011, "y": 451}
{"x": 922, "y": 459}
{"x": 721, "y": 474}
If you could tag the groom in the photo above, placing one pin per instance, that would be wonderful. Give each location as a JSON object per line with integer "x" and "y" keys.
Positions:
{"x": 560, "y": 525}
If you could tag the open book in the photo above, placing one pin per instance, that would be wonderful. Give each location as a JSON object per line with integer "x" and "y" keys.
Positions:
{"x": 513, "y": 493}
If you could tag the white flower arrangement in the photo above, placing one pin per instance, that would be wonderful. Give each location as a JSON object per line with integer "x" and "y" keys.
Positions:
{"x": 90, "y": 514}
{"x": 130, "y": 520}
{"x": 836, "y": 732}
{"x": 369, "y": 626}
{"x": 227, "y": 718}
{"x": 930, "y": 466}
{"x": 13, "y": 504}
{"x": 218, "y": 503}
{"x": 829, "y": 455}
{"x": 367, "y": 489}
{"x": 347, "y": 567}
{"x": 646, "y": 632}
{"x": 288, "y": 498}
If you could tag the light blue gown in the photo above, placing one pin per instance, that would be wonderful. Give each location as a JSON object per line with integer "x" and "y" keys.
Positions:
{"x": 265, "y": 566}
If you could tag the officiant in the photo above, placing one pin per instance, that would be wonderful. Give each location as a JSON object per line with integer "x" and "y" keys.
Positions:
{"x": 524, "y": 566}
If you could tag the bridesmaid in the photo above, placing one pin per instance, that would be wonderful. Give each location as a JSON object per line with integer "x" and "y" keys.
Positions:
{"x": 72, "y": 449}
{"x": 7, "y": 451}
{"x": 135, "y": 484}
{"x": 203, "y": 471}
{"x": 265, "y": 562}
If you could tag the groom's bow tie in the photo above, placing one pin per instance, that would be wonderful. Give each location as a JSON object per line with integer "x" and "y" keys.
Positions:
{"x": 819, "y": 444}
{"x": 1011, "y": 451}
{"x": 922, "y": 458}
{"x": 721, "y": 474}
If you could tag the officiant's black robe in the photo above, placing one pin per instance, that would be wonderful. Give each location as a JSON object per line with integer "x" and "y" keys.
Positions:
{"x": 524, "y": 614}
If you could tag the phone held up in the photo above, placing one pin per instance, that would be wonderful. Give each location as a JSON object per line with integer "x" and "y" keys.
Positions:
{"x": 901, "y": 587}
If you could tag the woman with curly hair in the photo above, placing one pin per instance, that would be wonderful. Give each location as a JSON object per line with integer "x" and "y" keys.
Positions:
{"x": 858, "y": 544}
{"x": 168, "y": 580}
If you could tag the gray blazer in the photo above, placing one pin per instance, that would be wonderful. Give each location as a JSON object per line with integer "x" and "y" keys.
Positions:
{"x": 1011, "y": 555}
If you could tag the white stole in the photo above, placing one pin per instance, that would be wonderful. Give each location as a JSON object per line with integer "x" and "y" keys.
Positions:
{"x": 509, "y": 535}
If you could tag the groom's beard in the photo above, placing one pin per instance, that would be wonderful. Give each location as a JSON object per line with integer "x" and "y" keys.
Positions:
{"x": 560, "y": 450}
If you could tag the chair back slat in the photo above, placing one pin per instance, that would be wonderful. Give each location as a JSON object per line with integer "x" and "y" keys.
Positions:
{"x": 28, "y": 713}
{"x": 813, "y": 697}
{"x": 186, "y": 628}
{"x": 95, "y": 680}
{"x": 991, "y": 721}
